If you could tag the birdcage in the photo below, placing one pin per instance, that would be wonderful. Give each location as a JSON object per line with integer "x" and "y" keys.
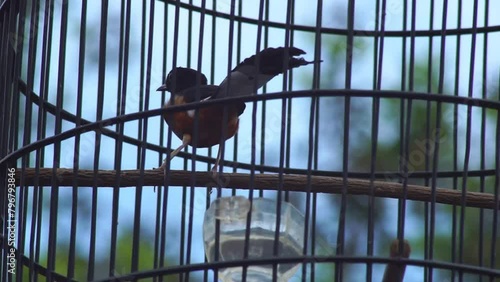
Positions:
{"x": 377, "y": 160}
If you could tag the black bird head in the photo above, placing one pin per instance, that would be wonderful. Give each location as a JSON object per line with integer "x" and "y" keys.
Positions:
{"x": 179, "y": 79}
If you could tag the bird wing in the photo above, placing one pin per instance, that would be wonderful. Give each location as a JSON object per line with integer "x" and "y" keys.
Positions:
{"x": 206, "y": 92}
{"x": 202, "y": 92}
{"x": 251, "y": 74}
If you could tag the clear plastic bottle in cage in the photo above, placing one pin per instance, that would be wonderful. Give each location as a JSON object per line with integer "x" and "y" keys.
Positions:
{"x": 232, "y": 214}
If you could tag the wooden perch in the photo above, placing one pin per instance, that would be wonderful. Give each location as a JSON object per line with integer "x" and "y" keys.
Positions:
{"x": 291, "y": 182}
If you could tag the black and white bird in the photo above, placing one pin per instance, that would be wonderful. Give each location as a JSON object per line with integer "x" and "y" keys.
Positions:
{"x": 188, "y": 86}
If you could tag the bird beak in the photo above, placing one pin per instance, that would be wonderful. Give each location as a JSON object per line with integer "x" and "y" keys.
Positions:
{"x": 162, "y": 88}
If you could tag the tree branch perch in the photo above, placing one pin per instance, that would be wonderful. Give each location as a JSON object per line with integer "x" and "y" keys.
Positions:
{"x": 291, "y": 182}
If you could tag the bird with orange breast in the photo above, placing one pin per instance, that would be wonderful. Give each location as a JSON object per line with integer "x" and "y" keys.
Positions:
{"x": 188, "y": 86}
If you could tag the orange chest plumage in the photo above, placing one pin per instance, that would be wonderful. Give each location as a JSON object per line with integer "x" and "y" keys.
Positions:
{"x": 210, "y": 123}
